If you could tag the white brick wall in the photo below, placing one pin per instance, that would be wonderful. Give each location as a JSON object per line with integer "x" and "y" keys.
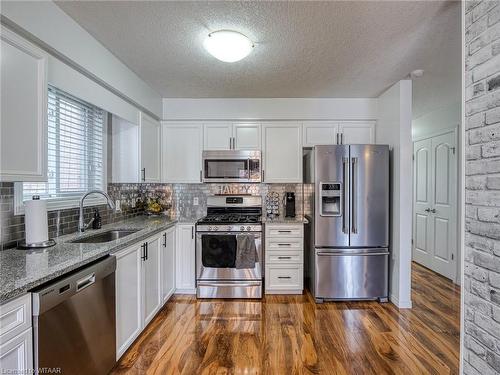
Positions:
{"x": 482, "y": 197}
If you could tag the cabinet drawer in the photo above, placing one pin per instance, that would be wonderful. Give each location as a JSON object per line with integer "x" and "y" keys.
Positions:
{"x": 285, "y": 243}
{"x": 287, "y": 277}
{"x": 284, "y": 257}
{"x": 15, "y": 317}
{"x": 284, "y": 230}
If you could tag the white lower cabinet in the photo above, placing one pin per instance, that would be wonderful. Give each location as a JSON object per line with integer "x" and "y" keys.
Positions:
{"x": 151, "y": 281}
{"x": 129, "y": 288}
{"x": 16, "y": 336}
{"x": 142, "y": 274}
{"x": 16, "y": 355}
{"x": 284, "y": 266}
{"x": 167, "y": 271}
{"x": 185, "y": 281}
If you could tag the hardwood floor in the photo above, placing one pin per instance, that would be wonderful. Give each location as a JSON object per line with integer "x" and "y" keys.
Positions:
{"x": 293, "y": 335}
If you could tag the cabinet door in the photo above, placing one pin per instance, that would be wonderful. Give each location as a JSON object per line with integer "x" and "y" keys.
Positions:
{"x": 185, "y": 259}
{"x": 319, "y": 133}
{"x": 168, "y": 264}
{"x": 282, "y": 152}
{"x": 23, "y": 119}
{"x": 125, "y": 137}
{"x": 217, "y": 136}
{"x": 152, "y": 286}
{"x": 246, "y": 136}
{"x": 358, "y": 133}
{"x": 16, "y": 355}
{"x": 181, "y": 150}
{"x": 128, "y": 297}
{"x": 150, "y": 149}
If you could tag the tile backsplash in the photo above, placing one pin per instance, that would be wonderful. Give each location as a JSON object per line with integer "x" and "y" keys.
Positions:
{"x": 180, "y": 197}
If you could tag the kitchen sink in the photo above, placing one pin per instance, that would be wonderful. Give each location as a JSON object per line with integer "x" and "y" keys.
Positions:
{"x": 108, "y": 236}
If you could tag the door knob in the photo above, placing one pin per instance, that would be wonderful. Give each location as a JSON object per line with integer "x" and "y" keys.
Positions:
{"x": 433, "y": 211}
{"x": 427, "y": 210}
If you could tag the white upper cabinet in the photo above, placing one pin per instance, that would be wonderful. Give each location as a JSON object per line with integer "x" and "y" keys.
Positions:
{"x": 218, "y": 136}
{"x": 282, "y": 152}
{"x": 246, "y": 136}
{"x": 181, "y": 147}
{"x": 320, "y": 133}
{"x": 150, "y": 149}
{"x": 231, "y": 136}
{"x": 352, "y": 133}
{"x": 338, "y": 133}
{"x": 23, "y": 122}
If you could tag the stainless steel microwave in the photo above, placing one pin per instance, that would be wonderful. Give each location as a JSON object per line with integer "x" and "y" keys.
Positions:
{"x": 232, "y": 166}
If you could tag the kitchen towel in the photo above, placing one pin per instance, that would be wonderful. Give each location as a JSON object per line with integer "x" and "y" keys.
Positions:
{"x": 35, "y": 220}
{"x": 246, "y": 251}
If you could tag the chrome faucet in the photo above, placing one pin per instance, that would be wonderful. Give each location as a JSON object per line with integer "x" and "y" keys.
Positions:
{"x": 81, "y": 223}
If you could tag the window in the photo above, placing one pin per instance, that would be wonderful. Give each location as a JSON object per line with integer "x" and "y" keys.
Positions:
{"x": 76, "y": 153}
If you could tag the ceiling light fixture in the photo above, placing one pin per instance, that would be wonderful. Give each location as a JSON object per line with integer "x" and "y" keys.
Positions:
{"x": 227, "y": 45}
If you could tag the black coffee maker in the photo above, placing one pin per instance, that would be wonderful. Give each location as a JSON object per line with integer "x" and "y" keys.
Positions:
{"x": 289, "y": 204}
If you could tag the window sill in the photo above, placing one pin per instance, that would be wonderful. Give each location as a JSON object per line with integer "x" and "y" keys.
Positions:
{"x": 57, "y": 204}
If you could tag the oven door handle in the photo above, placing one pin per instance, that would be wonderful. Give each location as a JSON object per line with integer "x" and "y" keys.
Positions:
{"x": 256, "y": 283}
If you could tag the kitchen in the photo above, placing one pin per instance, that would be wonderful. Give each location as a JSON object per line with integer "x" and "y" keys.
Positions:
{"x": 173, "y": 210}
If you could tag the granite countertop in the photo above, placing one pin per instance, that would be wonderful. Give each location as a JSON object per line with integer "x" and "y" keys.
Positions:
{"x": 23, "y": 270}
{"x": 285, "y": 220}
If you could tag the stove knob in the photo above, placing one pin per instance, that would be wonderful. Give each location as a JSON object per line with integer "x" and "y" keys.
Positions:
{"x": 249, "y": 228}
{"x": 215, "y": 228}
{"x": 209, "y": 228}
{"x": 229, "y": 227}
{"x": 242, "y": 228}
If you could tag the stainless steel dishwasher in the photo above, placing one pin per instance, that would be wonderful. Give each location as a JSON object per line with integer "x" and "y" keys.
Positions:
{"x": 74, "y": 321}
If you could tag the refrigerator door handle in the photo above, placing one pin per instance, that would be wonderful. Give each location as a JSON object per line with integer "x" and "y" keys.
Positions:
{"x": 345, "y": 165}
{"x": 354, "y": 227}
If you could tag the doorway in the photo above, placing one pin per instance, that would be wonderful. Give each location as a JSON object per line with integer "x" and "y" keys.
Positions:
{"x": 435, "y": 242}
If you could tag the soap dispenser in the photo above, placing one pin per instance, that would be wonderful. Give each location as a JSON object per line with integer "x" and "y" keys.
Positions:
{"x": 97, "y": 222}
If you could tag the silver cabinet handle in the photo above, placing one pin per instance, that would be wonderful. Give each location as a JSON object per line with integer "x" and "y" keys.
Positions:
{"x": 284, "y": 244}
{"x": 341, "y": 138}
{"x": 201, "y": 176}
{"x": 228, "y": 284}
{"x": 284, "y": 277}
{"x": 328, "y": 254}
{"x": 284, "y": 231}
{"x": 230, "y": 143}
{"x": 164, "y": 239}
{"x": 338, "y": 139}
{"x": 354, "y": 228}
{"x": 433, "y": 211}
{"x": 345, "y": 165}
{"x": 143, "y": 170}
{"x": 427, "y": 210}
{"x": 284, "y": 257}
{"x": 192, "y": 232}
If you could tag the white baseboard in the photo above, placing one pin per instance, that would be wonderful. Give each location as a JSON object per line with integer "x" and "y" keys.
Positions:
{"x": 400, "y": 304}
{"x": 185, "y": 291}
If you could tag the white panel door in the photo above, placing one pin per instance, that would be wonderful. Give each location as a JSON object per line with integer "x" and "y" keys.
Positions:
{"x": 444, "y": 204}
{"x": 150, "y": 149}
{"x": 181, "y": 149}
{"x": 422, "y": 202}
{"x": 16, "y": 355}
{"x": 23, "y": 118}
{"x": 152, "y": 282}
{"x": 282, "y": 152}
{"x": 320, "y": 133}
{"x": 168, "y": 264}
{"x": 246, "y": 136}
{"x": 435, "y": 204}
{"x": 217, "y": 136}
{"x": 185, "y": 259}
{"x": 357, "y": 133}
{"x": 128, "y": 297}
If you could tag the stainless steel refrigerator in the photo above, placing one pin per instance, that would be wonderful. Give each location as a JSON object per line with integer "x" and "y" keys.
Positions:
{"x": 348, "y": 231}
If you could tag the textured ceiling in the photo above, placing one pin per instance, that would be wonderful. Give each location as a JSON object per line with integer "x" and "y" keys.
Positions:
{"x": 302, "y": 49}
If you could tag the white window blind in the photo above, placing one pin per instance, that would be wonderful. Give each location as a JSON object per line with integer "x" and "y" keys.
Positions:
{"x": 75, "y": 149}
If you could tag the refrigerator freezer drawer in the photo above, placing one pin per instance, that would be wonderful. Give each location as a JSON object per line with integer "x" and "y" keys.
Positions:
{"x": 355, "y": 275}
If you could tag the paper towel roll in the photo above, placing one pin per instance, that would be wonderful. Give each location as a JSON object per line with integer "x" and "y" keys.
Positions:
{"x": 35, "y": 220}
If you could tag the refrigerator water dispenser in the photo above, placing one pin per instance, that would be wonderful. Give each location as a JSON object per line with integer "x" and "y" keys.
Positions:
{"x": 330, "y": 199}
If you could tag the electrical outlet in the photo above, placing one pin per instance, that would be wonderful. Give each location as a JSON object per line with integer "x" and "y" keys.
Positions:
{"x": 195, "y": 201}
{"x": 118, "y": 205}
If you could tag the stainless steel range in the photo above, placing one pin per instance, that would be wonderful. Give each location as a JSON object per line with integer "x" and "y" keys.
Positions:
{"x": 229, "y": 248}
